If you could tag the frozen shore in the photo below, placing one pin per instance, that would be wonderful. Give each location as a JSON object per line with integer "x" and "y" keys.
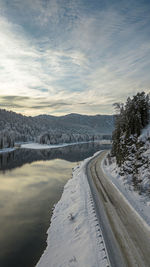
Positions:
{"x": 6, "y": 150}
{"x": 74, "y": 236}
{"x": 43, "y": 146}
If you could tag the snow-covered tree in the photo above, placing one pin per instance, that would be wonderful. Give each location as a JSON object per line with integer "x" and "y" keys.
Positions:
{"x": 127, "y": 146}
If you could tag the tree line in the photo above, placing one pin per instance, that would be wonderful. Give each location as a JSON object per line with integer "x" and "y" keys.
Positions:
{"x": 132, "y": 117}
{"x": 127, "y": 146}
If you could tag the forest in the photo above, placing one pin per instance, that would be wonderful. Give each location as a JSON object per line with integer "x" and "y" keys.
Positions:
{"x": 131, "y": 139}
{"x": 46, "y": 129}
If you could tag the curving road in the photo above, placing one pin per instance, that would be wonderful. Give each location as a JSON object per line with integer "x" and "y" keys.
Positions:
{"x": 126, "y": 237}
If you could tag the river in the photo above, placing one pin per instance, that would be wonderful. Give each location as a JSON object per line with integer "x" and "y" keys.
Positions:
{"x": 31, "y": 182}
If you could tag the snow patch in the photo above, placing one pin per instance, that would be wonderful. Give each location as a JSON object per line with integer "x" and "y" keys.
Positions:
{"x": 6, "y": 150}
{"x": 43, "y": 146}
{"x": 74, "y": 237}
{"x": 145, "y": 133}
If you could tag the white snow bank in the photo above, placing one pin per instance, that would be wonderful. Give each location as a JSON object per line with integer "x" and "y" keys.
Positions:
{"x": 145, "y": 133}
{"x": 74, "y": 237}
{"x": 139, "y": 202}
{"x": 6, "y": 150}
{"x": 43, "y": 146}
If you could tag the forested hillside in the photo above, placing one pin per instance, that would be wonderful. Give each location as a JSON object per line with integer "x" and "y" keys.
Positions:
{"x": 48, "y": 129}
{"x": 131, "y": 142}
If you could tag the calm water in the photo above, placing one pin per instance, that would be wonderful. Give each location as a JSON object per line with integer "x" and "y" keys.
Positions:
{"x": 31, "y": 182}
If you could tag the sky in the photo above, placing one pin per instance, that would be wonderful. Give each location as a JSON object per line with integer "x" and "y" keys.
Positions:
{"x": 80, "y": 56}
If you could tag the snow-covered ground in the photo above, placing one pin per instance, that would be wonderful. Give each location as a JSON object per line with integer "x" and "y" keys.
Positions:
{"x": 74, "y": 236}
{"x": 43, "y": 146}
{"x": 6, "y": 150}
{"x": 141, "y": 203}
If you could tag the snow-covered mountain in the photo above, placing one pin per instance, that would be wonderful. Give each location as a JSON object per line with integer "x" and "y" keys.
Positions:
{"x": 53, "y": 130}
{"x": 76, "y": 123}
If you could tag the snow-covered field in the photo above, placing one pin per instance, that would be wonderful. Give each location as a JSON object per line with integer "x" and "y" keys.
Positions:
{"x": 141, "y": 203}
{"x": 74, "y": 236}
{"x": 42, "y": 146}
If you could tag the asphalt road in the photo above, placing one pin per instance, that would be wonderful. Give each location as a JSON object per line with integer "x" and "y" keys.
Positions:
{"x": 126, "y": 237}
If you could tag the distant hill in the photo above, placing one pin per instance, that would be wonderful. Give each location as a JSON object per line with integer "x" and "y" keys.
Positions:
{"x": 49, "y": 129}
{"x": 98, "y": 124}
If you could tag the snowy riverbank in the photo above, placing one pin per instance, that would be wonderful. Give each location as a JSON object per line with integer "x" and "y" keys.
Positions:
{"x": 6, "y": 150}
{"x": 74, "y": 236}
{"x": 43, "y": 146}
{"x": 37, "y": 146}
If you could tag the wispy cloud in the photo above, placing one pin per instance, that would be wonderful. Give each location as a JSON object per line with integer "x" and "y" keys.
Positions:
{"x": 78, "y": 56}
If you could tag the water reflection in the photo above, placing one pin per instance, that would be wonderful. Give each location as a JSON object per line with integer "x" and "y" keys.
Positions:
{"x": 27, "y": 195}
{"x": 71, "y": 153}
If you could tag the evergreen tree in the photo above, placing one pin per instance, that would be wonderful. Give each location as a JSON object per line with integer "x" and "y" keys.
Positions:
{"x": 130, "y": 120}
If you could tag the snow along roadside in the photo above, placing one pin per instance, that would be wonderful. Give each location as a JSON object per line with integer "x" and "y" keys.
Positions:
{"x": 139, "y": 203}
{"x": 74, "y": 236}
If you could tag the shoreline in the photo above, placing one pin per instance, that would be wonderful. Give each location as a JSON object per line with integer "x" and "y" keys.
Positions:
{"x": 44, "y": 146}
{"x": 7, "y": 150}
{"x": 74, "y": 223}
{"x": 37, "y": 146}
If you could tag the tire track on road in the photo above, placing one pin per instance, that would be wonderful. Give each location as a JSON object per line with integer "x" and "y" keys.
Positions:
{"x": 132, "y": 239}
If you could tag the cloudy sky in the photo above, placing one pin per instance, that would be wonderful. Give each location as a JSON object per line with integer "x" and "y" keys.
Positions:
{"x": 64, "y": 56}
